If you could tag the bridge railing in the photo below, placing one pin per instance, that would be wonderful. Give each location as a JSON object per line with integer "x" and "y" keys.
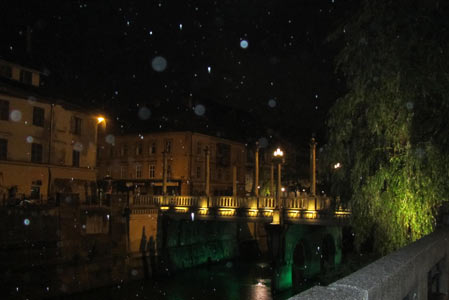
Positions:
{"x": 304, "y": 202}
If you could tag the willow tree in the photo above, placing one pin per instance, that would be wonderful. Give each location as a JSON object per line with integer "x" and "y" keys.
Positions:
{"x": 390, "y": 132}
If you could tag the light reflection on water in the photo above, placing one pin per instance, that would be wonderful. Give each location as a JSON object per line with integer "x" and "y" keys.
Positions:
{"x": 219, "y": 282}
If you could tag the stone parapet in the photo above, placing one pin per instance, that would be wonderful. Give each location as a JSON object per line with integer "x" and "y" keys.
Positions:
{"x": 413, "y": 272}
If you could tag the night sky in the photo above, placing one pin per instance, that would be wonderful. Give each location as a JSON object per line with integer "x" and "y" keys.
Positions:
{"x": 111, "y": 55}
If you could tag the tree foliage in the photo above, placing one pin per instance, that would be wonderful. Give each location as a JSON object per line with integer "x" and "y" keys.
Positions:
{"x": 390, "y": 131}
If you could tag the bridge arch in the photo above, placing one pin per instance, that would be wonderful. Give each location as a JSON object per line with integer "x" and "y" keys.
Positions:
{"x": 300, "y": 263}
{"x": 328, "y": 251}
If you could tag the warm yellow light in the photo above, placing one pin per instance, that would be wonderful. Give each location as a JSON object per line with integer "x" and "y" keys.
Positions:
{"x": 337, "y": 165}
{"x": 283, "y": 189}
{"x": 101, "y": 120}
{"x": 278, "y": 152}
{"x": 184, "y": 209}
{"x": 165, "y": 208}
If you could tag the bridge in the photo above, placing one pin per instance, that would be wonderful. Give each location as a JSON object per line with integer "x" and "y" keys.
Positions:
{"x": 303, "y": 235}
{"x": 306, "y": 209}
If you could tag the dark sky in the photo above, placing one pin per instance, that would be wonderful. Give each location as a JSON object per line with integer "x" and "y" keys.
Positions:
{"x": 101, "y": 53}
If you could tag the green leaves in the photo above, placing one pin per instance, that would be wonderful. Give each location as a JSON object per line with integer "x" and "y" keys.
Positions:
{"x": 390, "y": 132}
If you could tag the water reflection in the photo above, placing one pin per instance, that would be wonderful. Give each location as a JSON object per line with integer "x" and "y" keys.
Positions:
{"x": 238, "y": 280}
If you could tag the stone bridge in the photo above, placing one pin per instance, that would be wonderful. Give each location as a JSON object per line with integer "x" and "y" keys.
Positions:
{"x": 310, "y": 210}
{"x": 302, "y": 235}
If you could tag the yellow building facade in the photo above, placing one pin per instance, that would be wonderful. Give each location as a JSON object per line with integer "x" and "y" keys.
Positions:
{"x": 47, "y": 147}
{"x": 138, "y": 160}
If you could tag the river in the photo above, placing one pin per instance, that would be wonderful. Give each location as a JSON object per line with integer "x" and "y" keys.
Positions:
{"x": 230, "y": 280}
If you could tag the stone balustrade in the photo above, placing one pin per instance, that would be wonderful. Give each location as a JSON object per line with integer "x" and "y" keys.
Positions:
{"x": 417, "y": 271}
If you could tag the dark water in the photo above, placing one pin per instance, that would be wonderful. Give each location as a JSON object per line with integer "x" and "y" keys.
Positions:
{"x": 231, "y": 280}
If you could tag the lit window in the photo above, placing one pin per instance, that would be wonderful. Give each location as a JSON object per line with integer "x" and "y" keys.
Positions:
{"x": 138, "y": 171}
{"x": 152, "y": 171}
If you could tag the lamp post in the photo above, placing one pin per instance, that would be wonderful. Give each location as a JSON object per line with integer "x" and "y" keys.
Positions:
{"x": 100, "y": 120}
{"x": 278, "y": 157}
{"x": 256, "y": 171}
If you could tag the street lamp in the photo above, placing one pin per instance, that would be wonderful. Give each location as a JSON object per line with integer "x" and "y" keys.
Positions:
{"x": 278, "y": 156}
{"x": 101, "y": 119}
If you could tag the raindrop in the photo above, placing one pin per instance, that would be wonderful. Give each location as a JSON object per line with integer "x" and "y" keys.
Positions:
{"x": 272, "y": 103}
{"x": 144, "y": 113}
{"x": 159, "y": 63}
{"x": 29, "y": 139}
{"x": 244, "y": 44}
{"x": 16, "y": 115}
{"x": 409, "y": 105}
{"x": 78, "y": 147}
{"x": 110, "y": 139}
{"x": 208, "y": 69}
{"x": 180, "y": 26}
{"x": 26, "y": 222}
{"x": 31, "y": 99}
{"x": 229, "y": 264}
{"x": 134, "y": 272}
{"x": 263, "y": 142}
{"x": 199, "y": 109}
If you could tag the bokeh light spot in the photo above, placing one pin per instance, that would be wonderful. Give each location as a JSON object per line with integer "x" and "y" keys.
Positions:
{"x": 16, "y": 115}
{"x": 159, "y": 64}
{"x": 199, "y": 109}
{"x": 144, "y": 113}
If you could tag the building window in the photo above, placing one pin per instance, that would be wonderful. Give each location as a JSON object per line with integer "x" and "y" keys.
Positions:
{"x": 3, "y": 149}
{"x": 139, "y": 149}
{"x": 198, "y": 172}
{"x": 198, "y": 148}
{"x": 4, "y": 110}
{"x": 38, "y": 116}
{"x": 138, "y": 171}
{"x": 123, "y": 171}
{"x": 169, "y": 171}
{"x": 168, "y": 146}
{"x": 25, "y": 76}
{"x": 152, "y": 171}
{"x": 124, "y": 150}
{"x": 35, "y": 192}
{"x": 36, "y": 153}
{"x": 152, "y": 148}
{"x": 75, "y": 158}
{"x": 76, "y": 125}
{"x": 6, "y": 71}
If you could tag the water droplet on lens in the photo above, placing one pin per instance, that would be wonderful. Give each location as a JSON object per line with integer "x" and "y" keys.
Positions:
{"x": 144, "y": 113}
{"x": 199, "y": 109}
{"x": 159, "y": 64}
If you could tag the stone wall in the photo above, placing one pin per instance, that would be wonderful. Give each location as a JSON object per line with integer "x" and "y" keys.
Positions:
{"x": 416, "y": 271}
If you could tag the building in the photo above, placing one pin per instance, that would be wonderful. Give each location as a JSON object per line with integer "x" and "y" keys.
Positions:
{"x": 138, "y": 160}
{"x": 47, "y": 147}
